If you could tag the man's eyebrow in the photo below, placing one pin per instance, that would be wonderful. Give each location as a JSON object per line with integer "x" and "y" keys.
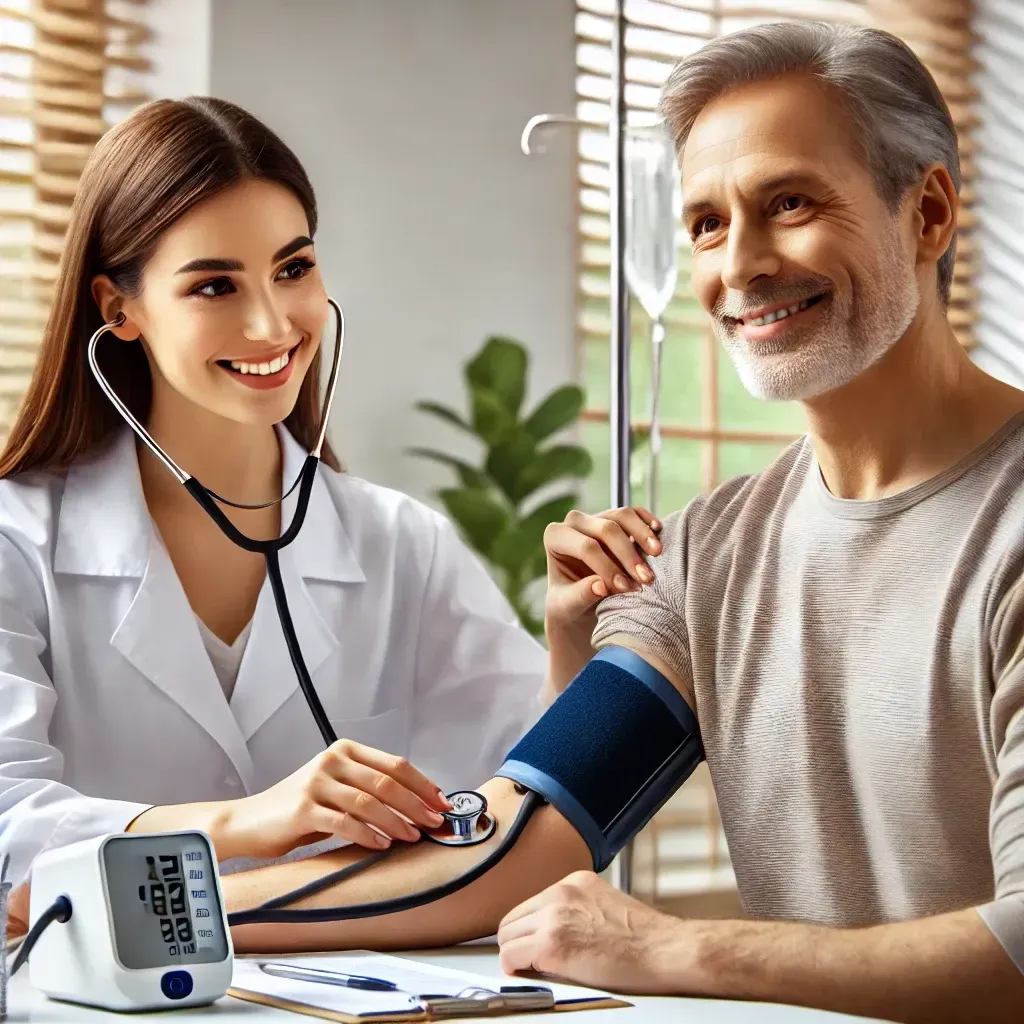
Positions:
{"x": 791, "y": 179}
{"x": 215, "y": 265}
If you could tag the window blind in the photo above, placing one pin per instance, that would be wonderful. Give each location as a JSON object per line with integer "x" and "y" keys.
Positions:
{"x": 999, "y": 25}
{"x": 67, "y": 71}
{"x": 711, "y": 428}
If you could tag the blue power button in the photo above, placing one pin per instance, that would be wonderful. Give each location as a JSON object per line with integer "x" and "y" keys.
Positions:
{"x": 176, "y": 984}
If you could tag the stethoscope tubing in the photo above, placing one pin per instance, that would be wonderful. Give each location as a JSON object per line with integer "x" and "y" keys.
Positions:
{"x": 275, "y": 910}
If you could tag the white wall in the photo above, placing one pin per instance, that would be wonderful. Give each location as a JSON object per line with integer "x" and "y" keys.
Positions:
{"x": 435, "y": 229}
{"x": 180, "y": 51}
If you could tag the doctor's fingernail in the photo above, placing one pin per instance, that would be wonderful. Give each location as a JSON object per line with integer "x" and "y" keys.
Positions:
{"x": 382, "y": 841}
{"x": 445, "y": 802}
{"x": 644, "y": 573}
{"x": 654, "y": 544}
{"x": 621, "y": 584}
{"x": 434, "y": 819}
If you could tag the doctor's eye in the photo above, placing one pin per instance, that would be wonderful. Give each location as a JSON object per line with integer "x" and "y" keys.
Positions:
{"x": 296, "y": 270}
{"x": 215, "y": 288}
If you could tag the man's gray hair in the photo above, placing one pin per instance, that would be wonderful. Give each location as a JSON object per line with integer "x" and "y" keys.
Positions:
{"x": 902, "y": 121}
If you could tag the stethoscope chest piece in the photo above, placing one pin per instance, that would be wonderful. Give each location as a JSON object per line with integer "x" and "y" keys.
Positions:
{"x": 466, "y": 824}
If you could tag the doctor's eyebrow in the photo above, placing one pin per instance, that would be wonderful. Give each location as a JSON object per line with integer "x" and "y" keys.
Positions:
{"x": 207, "y": 265}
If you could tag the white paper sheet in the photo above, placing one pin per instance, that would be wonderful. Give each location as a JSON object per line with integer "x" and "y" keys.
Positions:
{"x": 410, "y": 976}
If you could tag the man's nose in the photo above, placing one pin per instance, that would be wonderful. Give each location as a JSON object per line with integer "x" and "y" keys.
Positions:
{"x": 749, "y": 255}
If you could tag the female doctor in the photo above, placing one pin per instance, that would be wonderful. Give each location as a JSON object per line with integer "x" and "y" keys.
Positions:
{"x": 145, "y": 683}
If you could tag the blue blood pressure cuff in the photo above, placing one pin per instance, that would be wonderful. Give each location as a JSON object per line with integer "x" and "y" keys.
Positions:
{"x": 608, "y": 753}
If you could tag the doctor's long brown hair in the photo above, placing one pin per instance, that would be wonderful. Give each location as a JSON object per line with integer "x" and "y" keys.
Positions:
{"x": 143, "y": 175}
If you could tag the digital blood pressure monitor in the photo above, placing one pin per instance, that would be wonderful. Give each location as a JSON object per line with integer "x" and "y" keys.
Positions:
{"x": 147, "y": 928}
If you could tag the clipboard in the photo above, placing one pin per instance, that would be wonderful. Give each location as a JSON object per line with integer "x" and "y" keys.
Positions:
{"x": 427, "y": 992}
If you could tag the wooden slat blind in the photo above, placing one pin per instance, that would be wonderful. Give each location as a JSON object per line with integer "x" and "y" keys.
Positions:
{"x": 684, "y": 848}
{"x": 65, "y": 70}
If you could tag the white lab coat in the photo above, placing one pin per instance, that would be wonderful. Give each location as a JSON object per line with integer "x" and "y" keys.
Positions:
{"x": 109, "y": 703}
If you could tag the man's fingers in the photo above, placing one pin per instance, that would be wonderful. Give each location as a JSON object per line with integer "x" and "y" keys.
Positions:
{"x": 509, "y": 931}
{"x": 527, "y": 907}
{"x": 399, "y": 769}
{"x": 519, "y": 955}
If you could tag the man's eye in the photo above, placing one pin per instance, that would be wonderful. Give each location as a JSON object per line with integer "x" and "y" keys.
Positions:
{"x": 704, "y": 225}
{"x": 791, "y": 203}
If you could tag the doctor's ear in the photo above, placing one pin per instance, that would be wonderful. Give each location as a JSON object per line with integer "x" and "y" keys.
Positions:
{"x": 111, "y": 302}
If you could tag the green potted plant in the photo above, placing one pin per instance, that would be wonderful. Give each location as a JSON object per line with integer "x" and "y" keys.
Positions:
{"x": 500, "y": 505}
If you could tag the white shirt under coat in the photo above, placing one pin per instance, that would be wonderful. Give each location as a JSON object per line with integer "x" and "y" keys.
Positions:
{"x": 109, "y": 703}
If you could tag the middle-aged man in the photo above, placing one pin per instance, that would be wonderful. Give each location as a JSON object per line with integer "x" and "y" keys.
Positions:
{"x": 848, "y": 624}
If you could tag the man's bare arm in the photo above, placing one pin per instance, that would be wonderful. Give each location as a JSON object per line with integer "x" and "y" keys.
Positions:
{"x": 548, "y": 849}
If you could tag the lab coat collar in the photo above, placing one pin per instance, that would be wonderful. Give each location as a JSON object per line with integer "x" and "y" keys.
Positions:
{"x": 105, "y": 526}
{"x": 105, "y": 530}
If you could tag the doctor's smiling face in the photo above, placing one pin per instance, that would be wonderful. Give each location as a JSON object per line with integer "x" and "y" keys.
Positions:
{"x": 231, "y": 306}
{"x": 195, "y": 221}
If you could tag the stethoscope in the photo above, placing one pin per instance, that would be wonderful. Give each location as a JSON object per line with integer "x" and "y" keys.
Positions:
{"x": 468, "y": 823}
{"x": 270, "y": 549}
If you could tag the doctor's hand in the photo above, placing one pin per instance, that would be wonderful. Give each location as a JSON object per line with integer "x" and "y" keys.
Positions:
{"x": 590, "y": 557}
{"x": 586, "y": 931}
{"x": 17, "y": 912}
{"x": 349, "y": 790}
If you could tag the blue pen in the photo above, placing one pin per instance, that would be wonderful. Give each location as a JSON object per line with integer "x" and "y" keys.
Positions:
{"x": 329, "y": 977}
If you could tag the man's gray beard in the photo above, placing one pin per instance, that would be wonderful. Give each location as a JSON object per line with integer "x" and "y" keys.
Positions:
{"x": 828, "y": 355}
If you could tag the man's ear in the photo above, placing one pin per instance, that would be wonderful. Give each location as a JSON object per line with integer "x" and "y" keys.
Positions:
{"x": 111, "y": 302}
{"x": 935, "y": 214}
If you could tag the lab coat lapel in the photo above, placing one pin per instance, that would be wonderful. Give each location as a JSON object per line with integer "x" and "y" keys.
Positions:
{"x": 105, "y": 530}
{"x": 321, "y": 551}
{"x": 159, "y": 636}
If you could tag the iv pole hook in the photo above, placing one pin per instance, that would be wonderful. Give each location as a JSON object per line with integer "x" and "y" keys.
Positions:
{"x": 542, "y": 119}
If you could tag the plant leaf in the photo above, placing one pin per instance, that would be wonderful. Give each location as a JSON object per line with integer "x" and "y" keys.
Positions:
{"x": 477, "y": 514}
{"x": 512, "y": 549}
{"x": 561, "y": 408}
{"x": 436, "y": 409}
{"x": 500, "y": 366}
{"x": 507, "y": 460}
{"x": 469, "y": 475}
{"x": 491, "y": 420}
{"x": 558, "y": 461}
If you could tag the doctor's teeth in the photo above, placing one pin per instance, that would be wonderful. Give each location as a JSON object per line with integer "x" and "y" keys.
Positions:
{"x": 778, "y": 314}
{"x": 263, "y": 368}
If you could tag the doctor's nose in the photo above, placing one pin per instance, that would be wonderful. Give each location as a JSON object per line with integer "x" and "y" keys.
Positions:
{"x": 266, "y": 321}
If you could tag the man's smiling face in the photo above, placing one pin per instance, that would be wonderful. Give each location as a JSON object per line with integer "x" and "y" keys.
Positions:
{"x": 808, "y": 276}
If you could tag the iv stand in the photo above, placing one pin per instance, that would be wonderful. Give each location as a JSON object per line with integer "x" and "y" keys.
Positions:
{"x": 618, "y": 413}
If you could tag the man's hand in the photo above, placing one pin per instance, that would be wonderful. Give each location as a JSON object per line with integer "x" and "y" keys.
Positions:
{"x": 586, "y": 931}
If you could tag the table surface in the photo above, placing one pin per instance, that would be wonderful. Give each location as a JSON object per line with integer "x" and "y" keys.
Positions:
{"x": 24, "y": 1003}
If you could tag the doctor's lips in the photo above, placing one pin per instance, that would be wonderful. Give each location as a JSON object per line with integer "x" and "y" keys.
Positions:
{"x": 262, "y": 373}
